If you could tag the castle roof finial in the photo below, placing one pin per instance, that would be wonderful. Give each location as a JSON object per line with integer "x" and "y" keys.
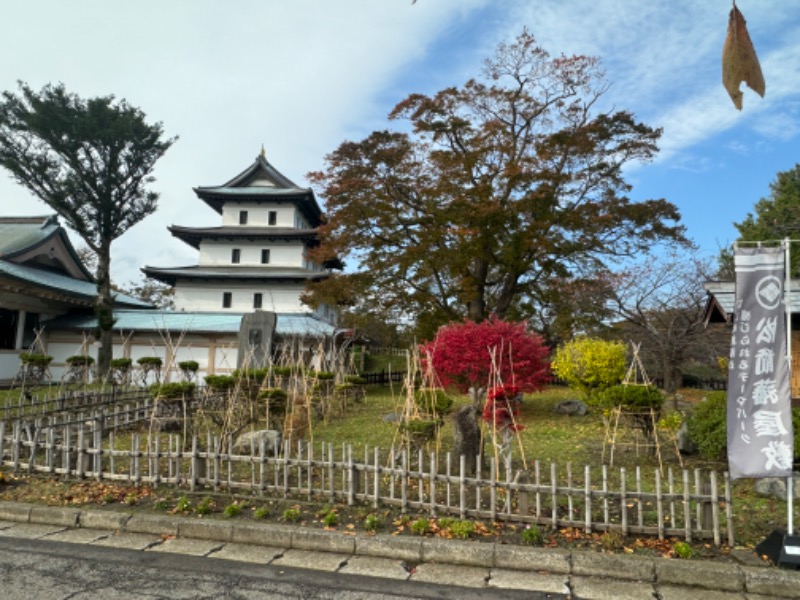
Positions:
{"x": 263, "y": 153}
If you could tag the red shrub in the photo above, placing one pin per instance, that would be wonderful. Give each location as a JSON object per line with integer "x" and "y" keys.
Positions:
{"x": 461, "y": 355}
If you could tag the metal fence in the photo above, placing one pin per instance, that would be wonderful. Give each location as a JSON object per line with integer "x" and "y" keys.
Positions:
{"x": 683, "y": 504}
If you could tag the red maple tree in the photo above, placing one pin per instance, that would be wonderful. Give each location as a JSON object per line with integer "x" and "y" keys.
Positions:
{"x": 470, "y": 354}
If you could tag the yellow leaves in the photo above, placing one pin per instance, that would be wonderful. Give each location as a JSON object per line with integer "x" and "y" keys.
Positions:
{"x": 739, "y": 60}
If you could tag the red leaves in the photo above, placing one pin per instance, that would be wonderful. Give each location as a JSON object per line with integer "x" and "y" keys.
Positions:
{"x": 469, "y": 353}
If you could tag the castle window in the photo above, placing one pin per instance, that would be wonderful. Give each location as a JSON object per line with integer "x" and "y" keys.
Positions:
{"x": 227, "y": 299}
{"x": 242, "y": 217}
{"x": 236, "y": 256}
{"x": 257, "y": 299}
{"x": 265, "y": 256}
{"x": 272, "y": 217}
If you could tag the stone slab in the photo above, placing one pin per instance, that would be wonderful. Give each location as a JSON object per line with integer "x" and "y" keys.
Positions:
{"x": 31, "y": 530}
{"x": 449, "y": 574}
{"x": 15, "y": 511}
{"x": 326, "y": 541}
{"x": 55, "y": 515}
{"x": 264, "y": 534}
{"x": 130, "y": 541}
{"x": 191, "y": 547}
{"x": 103, "y": 519}
{"x": 456, "y": 552}
{"x": 678, "y": 592}
{"x": 308, "y": 559}
{"x": 620, "y": 566}
{"x": 253, "y": 553}
{"x": 551, "y": 560}
{"x": 599, "y": 588}
{"x": 79, "y": 536}
{"x": 154, "y": 524}
{"x": 7, "y": 524}
{"x": 375, "y": 566}
{"x": 205, "y": 529}
{"x": 401, "y": 548}
{"x": 778, "y": 583}
{"x": 703, "y": 574}
{"x": 512, "y": 579}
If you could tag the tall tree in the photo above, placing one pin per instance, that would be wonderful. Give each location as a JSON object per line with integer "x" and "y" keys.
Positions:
{"x": 492, "y": 192}
{"x": 90, "y": 161}
{"x": 776, "y": 217}
{"x": 662, "y": 304}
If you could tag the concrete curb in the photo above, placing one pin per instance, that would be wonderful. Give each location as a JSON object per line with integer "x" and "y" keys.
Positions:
{"x": 672, "y": 573}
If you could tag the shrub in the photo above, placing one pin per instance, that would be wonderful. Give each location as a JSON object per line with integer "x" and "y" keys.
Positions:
{"x": 190, "y": 366}
{"x": 462, "y": 529}
{"x": 372, "y": 523}
{"x": 205, "y": 507}
{"x": 322, "y": 375}
{"x": 233, "y": 510}
{"x": 39, "y": 360}
{"x": 79, "y": 360}
{"x": 433, "y": 401}
{"x": 591, "y": 365}
{"x": 331, "y": 519}
{"x": 262, "y": 512}
{"x": 463, "y": 354}
{"x": 707, "y": 427}
{"x": 121, "y": 363}
{"x": 355, "y": 380}
{"x": 683, "y": 550}
{"x": 220, "y": 382}
{"x": 152, "y": 362}
{"x": 281, "y": 371}
{"x": 632, "y": 397}
{"x": 176, "y": 389}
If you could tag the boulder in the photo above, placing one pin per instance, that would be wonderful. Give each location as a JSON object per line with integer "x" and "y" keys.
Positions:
{"x": 775, "y": 487}
{"x": 571, "y": 407}
{"x": 250, "y": 442}
{"x": 685, "y": 444}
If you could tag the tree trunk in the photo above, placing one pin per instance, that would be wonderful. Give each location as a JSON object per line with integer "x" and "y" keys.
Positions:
{"x": 672, "y": 377}
{"x": 104, "y": 310}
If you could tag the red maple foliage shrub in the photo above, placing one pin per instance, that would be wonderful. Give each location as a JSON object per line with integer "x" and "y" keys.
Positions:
{"x": 501, "y": 410}
{"x": 461, "y": 355}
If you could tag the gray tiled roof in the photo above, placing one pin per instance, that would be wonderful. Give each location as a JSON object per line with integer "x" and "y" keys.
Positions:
{"x": 252, "y": 274}
{"x": 192, "y": 322}
{"x": 21, "y": 233}
{"x": 63, "y": 283}
{"x": 722, "y": 297}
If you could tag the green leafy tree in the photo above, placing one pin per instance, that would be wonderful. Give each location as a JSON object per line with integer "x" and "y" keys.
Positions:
{"x": 491, "y": 194}
{"x": 776, "y": 217}
{"x": 591, "y": 365}
{"x": 90, "y": 161}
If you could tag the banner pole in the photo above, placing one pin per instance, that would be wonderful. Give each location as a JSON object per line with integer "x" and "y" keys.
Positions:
{"x": 788, "y": 291}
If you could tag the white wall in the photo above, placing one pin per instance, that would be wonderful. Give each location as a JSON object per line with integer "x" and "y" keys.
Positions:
{"x": 208, "y": 298}
{"x": 282, "y": 254}
{"x": 258, "y": 214}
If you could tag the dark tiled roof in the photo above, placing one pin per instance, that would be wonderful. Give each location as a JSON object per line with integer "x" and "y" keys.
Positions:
{"x": 194, "y": 235}
{"x": 170, "y": 275}
{"x": 84, "y": 290}
{"x": 262, "y": 182}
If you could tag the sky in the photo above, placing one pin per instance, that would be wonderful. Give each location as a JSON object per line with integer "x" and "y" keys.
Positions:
{"x": 299, "y": 77}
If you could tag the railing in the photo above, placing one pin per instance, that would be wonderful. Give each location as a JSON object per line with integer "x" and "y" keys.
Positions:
{"x": 29, "y": 405}
{"x": 383, "y": 377}
{"x": 685, "y": 504}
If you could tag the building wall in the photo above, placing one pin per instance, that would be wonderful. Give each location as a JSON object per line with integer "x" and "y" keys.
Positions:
{"x": 258, "y": 215}
{"x": 208, "y": 297}
{"x": 281, "y": 254}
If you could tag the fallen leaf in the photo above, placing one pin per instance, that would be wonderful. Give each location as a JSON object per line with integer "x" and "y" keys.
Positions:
{"x": 739, "y": 60}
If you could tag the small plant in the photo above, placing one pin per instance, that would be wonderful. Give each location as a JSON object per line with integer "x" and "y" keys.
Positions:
{"x": 420, "y": 526}
{"x": 175, "y": 389}
{"x": 532, "y": 535}
{"x": 153, "y": 362}
{"x": 220, "y": 382}
{"x": 612, "y": 540}
{"x": 79, "y": 361}
{"x": 462, "y": 529}
{"x": 355, "y": 380}
{"x": 331, "y": 519}
{"x": 161, "y": 504}
{"x": 108, "y": 498}
{"x": 131, "y": 499}
{"x": 189, "y": 365}
{"x": 262, "y": 512}
{"x": 372, "y": 523}
{"x": 121, "y": 363}
{"x": 683, "y": 550}
{"x": 292, "y": 515}
{"x": 183, "y": 504}
{"x": 38, "y": 360}
{"x": 233, "y": 510}
{"x": 205, "y": 507}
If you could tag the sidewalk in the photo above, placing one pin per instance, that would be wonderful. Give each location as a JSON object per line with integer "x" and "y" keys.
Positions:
{"x": 489, "y": 565}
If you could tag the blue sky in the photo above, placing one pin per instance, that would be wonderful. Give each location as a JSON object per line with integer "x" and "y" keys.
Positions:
{"x": 302, "y": 76}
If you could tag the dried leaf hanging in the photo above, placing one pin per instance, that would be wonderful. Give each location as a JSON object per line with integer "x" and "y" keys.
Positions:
{"x": 739, "y": 60}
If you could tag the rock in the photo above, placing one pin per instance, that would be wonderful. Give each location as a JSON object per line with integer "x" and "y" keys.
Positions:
{"x": 685, "y": 444}
{"x": 571, "y": 407}
{"x": 775, "y": 487}
{"x": 392, "y": 418}
{"x": 250, "y": 442}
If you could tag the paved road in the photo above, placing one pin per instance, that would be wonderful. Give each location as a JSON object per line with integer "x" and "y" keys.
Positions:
{"x": 39, "y": 569}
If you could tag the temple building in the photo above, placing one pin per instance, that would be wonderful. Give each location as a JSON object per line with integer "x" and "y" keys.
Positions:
{"x": 244, "y": 293}
{"x": 257, "y": 259}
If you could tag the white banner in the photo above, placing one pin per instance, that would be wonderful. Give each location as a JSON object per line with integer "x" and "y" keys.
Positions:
{"x": 760, "y": 438}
